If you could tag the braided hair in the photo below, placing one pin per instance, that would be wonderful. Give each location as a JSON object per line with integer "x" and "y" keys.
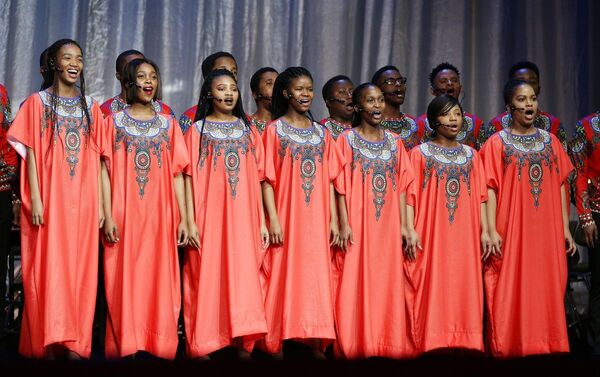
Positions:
{"x": 279, "y": 102}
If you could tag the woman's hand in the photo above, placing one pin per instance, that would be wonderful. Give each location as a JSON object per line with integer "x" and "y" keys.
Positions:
{"x": 110, "y": 230}
{"x": 264, "y": 235}
{"x": 275, "y": 232}
{"x": 334, "y": 233}
{"x": 412, "y": 243}
{"x": 194, "y": 235}
{"x": 346, "y": 236}
{"x": 496, "y": 241}
{"x": 37, "y": 212}
{"x": 486, "y": 246}
{"x": 182, "y": 234}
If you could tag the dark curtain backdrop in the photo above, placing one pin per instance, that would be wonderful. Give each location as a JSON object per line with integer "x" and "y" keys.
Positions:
{"x": 482, "y": 38}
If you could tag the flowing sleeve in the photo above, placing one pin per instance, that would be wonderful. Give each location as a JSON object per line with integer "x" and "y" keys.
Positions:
{"x": 271, "y": 155}
{"x": 565, "y": 167}
{"x": 580, "y": 151}
{"x": 335, "y": 162}
{"x": 480, "y": 176}
{"x": 192, "y": 145}
{"x": 491, "y": 154}
{"x": 406, "y": 177}
{"x": 343, "y": 181}
{"x": 259, "y": 152}
{"x": 97, "y": 127}
{"x": 416, "y": 162}
{"x": 22, "y": 132}
{"x": 179, "y": 153}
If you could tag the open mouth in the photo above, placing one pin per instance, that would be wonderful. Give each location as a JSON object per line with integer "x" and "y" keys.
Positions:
{"x": 399, "y": 93}
{"x": 529, "y": 112}
{"x": 304, "y": 101}
{"x": 376, "y": 114}
{"x": 148, "y": 90}
{"x": 228, "y": 101}
{"x": 72, "y": 72}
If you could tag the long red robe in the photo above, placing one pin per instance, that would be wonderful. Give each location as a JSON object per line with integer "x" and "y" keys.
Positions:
{"x": 60, "y": 257}
{"x": 445, "y": 290}
{"x": 370, "y": 303}
{"x": 525, "y": 287}
{"x": 221, "y": 285}
{"x": 141, "y": 270}
{"x": 300, "y": 164}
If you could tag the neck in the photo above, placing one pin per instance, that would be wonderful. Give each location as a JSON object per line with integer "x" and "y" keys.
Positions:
{"x": 66, "y": 90}
{"x": 123, "y": 95}
{"x": 297, "y": 119}
{"x": 262, "y": 114}
{"x": 368, "y": 131}
{"x": 141, "y": 109}
{"x": 445, "y": 142}
{"x": 521, "y": 129}
{"x": 217, "y": 116}
{"x": 391, "y": 111}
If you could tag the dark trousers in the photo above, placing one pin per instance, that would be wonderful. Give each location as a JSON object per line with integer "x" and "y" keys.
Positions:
{"x": 5, "y": 225}
{"x": 594, "y": 309}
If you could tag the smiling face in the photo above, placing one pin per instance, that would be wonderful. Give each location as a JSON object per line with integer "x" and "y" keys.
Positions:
{"x": 371, "y": 105}
{"x": 523, "y": 105}
{"x": 450, "y": 123}
{"x": 447, "y": 82}
{"x": 393, "y": 85}
{"x": 146, "y": 80}
{"x": 300, "y": 94}
{"x": 341, "y": 90}
{"x": 224, "y": 88}
{"x": 69, "y": 64}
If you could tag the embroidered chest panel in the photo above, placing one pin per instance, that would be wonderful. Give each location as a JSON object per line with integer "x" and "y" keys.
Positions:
{"x": 466, "y": 135}
{"x": 146, "y": 140}
{"x": 406, "y": 128}
{"x": 379, "y": 160}
{"x": 305, "y": 145}
{"x": 118, "y": 105}
{"x": 259, "y": 124}
{"x": 229, "y": 141}
{"x": 71, "y": 124}
{"x": 532, "y": 152}
{"x": 336, "y": 128}
{"x": 581, "y": 150}
{"x": 452, "y": 168}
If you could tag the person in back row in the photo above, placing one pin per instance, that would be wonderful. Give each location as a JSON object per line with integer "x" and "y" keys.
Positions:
{"x": 337, "y": 93}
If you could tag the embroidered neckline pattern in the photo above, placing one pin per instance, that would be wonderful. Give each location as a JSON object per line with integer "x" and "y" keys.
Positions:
{"x": 70, "y": 118}
{"x": 259, "y": 124}
{"x": 306, "y": 145}
{"x": 118, "y": 104}
{"x": 380, "y": 159}
{"x": 146, "y": 138}
{"x": 228, "y": 140}
{"x": 405, "y": 127}
{"x": 534, "y": 150}
{"x": 335, "y": 127}
{"x": 453, "y": 164}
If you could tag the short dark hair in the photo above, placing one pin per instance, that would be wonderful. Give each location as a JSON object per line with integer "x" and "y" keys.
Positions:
{"x": 440, "y": 105}
{"x": 208, "y": 64}
{"x": 130, "y": 78}
{"x": 524, "y": 65}
{"x": 255, "y": 79}
{"x": 326, "y": 92}
{"x": 380, "y": 71}
{"x": 510, "y": 87}
{"x": 441, "y": 67}
{"x": 121, "y": 59}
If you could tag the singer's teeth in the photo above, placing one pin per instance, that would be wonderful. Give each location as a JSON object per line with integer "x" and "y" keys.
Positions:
{"x": 73, "y": 71}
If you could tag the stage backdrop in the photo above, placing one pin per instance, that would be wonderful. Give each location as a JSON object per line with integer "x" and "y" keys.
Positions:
{"x": 353, "y": 37}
